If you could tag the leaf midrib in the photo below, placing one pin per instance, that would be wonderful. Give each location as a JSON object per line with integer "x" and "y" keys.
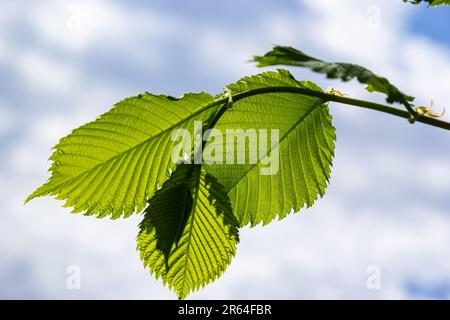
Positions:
{"x": 192, "y": 217}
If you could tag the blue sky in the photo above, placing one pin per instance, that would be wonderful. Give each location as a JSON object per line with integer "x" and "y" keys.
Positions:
{"x": 431, "y": 23}
{"x": 62, "y": 63}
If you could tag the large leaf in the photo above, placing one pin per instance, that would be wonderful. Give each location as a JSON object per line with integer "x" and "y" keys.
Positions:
{"x": 280, "y": 55}
{"x": 431, "y": 3}
{"x": 306, "y": 148}
{"x": 114, "y": 164}
{"x": 189, "y": 234}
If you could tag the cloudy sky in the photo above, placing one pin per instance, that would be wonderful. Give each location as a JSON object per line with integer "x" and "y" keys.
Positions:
{"x": 387, "y": 208}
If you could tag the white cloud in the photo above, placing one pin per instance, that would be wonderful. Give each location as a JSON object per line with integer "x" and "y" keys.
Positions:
{"x": 42, "y": 73}
{"x": 78, "y": 25}
{"x": 344, "y": 29}
{"x": 7, "y": 120}
{"x": 366, "y": 218}
{"x": 435, "y": 174}
{"x": 325, "y": 252}
{"x": 214, "y": 50}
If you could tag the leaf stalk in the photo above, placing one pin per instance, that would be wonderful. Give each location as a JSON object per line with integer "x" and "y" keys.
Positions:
{"x": 335, "y": 98}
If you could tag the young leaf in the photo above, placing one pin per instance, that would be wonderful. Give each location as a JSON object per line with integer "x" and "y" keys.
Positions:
{"x": 189, "y": 234}
{"x": 345, "y": 71}
{"x": 431, "y": 3}
{"x": 301, "y": 162}
{"x": 168, "y": 211}
{"x": 115, "y": 163}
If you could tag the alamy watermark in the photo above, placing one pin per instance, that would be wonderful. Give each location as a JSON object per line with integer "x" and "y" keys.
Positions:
{"x": 234, "y": 146}
{"x": 73, "y": 281}
{"x": 373, "y": 21}
{"x": 373, "y": 281}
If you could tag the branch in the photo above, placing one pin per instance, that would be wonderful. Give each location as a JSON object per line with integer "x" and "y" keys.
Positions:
{"x": 331, "y": 97}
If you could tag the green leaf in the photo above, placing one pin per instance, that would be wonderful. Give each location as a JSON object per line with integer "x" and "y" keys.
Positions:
{"x": 431, "y": 3}
{"x": 168, "y": 211}
{"x": 189, "y": 234}
{"x": 115, "y": 163}
{"x": 306, "y": 149}
{"x": 345, "y": 71}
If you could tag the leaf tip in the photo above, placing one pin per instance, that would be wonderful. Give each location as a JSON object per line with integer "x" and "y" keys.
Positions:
{"x": 29, "y": 198}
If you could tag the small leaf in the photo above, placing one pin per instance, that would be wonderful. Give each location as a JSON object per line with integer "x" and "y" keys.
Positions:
{"x": 189, "y": 234}
{"x": 345, "y": 71}
{"x": 431, "y": 3}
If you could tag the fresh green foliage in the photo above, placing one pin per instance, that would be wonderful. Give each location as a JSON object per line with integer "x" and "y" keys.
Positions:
{"x": 113, "y": 165}
{"x": 189, "y": 233}
{"x": 280, "y": 55}
{"x": 431, "y": 3}
{"x": 306, "y": 148}
{"x": 121, "y": 162}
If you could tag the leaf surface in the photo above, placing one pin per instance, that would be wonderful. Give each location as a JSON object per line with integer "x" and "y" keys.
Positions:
{"x": 431, "y": 3}
{"x": 289, "y": 56}
{"x": 112, "y": 165}
{"x": 189, "y": 234}
{"x": 305, "y": 149}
